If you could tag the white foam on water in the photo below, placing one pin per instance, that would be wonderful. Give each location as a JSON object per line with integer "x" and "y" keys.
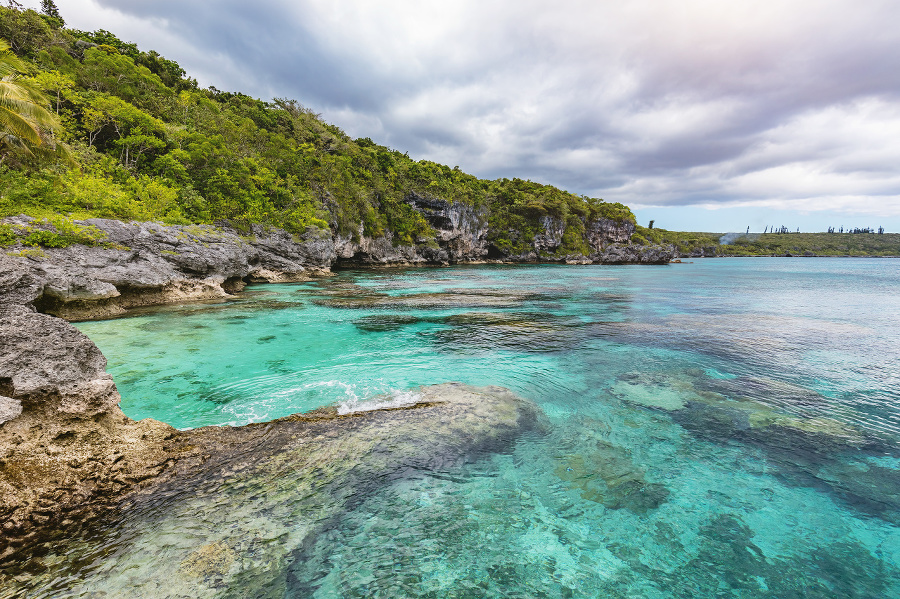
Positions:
{"x": 395, "y": 399}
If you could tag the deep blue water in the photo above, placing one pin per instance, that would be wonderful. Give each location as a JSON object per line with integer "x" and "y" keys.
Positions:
{"x": 727, "y": 427}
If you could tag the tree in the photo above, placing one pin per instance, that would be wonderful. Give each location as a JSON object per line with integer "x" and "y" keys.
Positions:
{"x": 57, "y": 83}
{"x": 48, "y": 9}
{"x": 26, "y": 31}
{"x": 23, "y": 119}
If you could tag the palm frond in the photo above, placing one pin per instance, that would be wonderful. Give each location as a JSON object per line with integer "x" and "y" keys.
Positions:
{"x": 28, "y": 110}
{"x": 16, "y": 125}
{"x": 23, "y": 116}
{"x": 16, "y": 143}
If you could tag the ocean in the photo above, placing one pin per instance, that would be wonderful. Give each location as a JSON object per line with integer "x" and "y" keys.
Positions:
{"x": 718, "y": 428}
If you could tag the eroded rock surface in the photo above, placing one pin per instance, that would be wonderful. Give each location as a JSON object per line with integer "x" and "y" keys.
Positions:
{"x": 149, "y": 263}
{"x": 66, "y": 450}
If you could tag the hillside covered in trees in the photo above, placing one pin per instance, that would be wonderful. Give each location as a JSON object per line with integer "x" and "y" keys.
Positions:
{"x": 129, "y": 135}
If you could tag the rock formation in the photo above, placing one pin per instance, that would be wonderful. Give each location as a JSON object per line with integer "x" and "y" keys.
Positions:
{"x": 149, "y": 263}
{"x": 66, "y": 450}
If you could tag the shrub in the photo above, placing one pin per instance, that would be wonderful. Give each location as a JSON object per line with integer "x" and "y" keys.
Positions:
{"x": 7, "y": 235}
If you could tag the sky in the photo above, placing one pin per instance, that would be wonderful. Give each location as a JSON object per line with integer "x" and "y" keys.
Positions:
{"x": 713, "y": 115}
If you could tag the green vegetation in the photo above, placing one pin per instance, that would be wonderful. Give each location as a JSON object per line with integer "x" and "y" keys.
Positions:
{"x": 684, "y": 242}
{"x": 23, "y": 118}
{"x": 777, "y": 244}
{"x": 517, "y": 208}
{"x": 820, "y": 244}
{"x": 54, "y": 232}
{"x": 145, "y": 143}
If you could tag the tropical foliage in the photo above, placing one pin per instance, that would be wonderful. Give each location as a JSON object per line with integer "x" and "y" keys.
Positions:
{"x": 148, "y": 144}
{"x": 24, "y": 121}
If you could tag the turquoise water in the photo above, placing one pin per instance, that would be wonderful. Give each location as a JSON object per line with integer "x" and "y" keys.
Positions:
{"x": 722, "y": 428}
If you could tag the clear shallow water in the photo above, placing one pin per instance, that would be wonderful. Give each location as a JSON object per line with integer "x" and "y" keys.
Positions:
{"x": 723, "y": 428}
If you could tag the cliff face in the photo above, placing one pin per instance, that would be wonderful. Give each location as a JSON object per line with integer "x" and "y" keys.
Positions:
{"x": 461, "y": 229}
{"x": 462, "y": 235}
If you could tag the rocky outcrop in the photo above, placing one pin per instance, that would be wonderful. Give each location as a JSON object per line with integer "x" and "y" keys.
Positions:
{"x": 149, "y": 263}
{"x": 68, "y": 455}
{"x": 708, "y": 251}
{"x": 381, "y": 251}
{"x": 460, "y": 236}
{"x": 603, "y": 231}
{"x": 618, "y": 253}
{"x": 461, "y": 229}
{"x": 551, "y": 236}
{"x": 607, "y": 242}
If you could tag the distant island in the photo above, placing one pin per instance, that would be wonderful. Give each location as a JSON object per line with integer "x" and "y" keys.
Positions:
{"x": 773, "y": 244}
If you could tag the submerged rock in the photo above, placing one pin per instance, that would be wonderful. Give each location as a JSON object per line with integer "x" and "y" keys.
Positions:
{"x": 754, "y": 338}
{"x": 663, "y": 392}
{"x": 608, "y": 476}
{"x": 765, "y": 390}
{"x": 809, "y": 447}
{"x": 748, "y": 406}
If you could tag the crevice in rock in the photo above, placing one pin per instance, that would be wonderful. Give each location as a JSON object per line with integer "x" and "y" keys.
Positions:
{"x": 233, "y": 285}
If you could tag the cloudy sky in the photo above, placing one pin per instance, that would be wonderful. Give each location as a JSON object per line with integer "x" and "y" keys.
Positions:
{"x": 700, "y": 114}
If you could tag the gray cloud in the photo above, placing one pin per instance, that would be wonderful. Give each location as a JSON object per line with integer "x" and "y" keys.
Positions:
{"x": 696, "y": 102}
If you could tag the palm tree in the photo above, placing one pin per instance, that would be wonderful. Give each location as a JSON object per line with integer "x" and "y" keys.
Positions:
{"x": 23, "y": 118}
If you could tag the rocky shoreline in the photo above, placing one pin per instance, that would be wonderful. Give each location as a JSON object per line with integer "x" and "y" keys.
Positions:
{"x": 139, "y": 264}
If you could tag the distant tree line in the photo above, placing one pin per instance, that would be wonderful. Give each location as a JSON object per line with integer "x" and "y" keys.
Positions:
{"x": 778, "y": 230}
{"x": 880, "y": 230}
